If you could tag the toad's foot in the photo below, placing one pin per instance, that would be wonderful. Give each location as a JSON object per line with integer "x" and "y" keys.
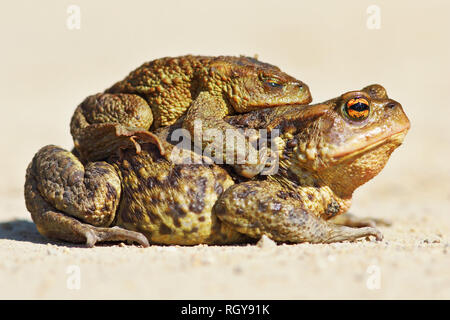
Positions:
{"x": 266, "y": 164}
{"x": 138, "y": 137}
{"x": 56, "y": 225}
{"x": 100, "y": 140}
{"x": 96, "y": 234}
{"x": 339, "y": 233}
{"x": 350, "y": 220}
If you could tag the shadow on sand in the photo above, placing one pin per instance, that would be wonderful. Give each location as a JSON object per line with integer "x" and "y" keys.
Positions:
{"x": 26, "y": 231}
{"x": 23, "y": 230}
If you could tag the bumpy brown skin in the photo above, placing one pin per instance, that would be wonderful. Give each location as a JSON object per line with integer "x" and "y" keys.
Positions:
{"x": 324, "y": 157}
{"x": 161, "y": 91}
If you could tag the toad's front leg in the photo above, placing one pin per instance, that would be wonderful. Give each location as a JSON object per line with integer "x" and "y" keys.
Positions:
{"x": 72, "y": 202}
{"x": 258, "y": 208}
{"x": 205, "y": 122}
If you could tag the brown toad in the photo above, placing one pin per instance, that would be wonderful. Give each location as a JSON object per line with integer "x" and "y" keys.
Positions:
{"x": 326, "y": 151}
{"x": 196, "y": 87}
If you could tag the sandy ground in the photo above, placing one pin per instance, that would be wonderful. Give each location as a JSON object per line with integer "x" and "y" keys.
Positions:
{"x": 47, "y": 70}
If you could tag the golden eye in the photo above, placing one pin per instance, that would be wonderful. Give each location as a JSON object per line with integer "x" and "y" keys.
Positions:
{"x": 357, "y": 109}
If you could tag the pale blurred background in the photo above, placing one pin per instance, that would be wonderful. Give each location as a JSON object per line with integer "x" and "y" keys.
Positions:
{"x": 48, "y": 69}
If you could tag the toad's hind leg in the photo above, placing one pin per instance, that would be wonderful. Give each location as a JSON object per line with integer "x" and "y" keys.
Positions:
{"x": 104, "y": 122}
{"x": 70, "y": 202}
{"x": 258, "y": 208}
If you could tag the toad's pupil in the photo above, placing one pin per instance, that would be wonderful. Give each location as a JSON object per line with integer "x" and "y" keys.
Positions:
{"x": 359, "y": 107}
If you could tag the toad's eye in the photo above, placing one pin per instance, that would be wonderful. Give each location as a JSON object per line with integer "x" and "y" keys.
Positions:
{"x": 272, "y": 82}
{"x": 357, "y": 109}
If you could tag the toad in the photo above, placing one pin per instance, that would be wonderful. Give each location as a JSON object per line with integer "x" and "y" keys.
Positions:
{"x": 326, "y": 151}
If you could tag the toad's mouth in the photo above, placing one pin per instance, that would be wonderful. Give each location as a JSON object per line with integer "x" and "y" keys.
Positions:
{"x": 303, "y": 98}
{"x": 395, "y": 137}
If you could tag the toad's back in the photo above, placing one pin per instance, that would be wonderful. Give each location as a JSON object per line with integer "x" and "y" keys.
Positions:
{"x": 167, "y": 85}
{"x": 170, "y": 84}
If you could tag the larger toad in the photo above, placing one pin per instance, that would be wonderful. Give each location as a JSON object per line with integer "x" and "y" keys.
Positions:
{"x": 196, "y": 87}
{"x": 327, "y": 150}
